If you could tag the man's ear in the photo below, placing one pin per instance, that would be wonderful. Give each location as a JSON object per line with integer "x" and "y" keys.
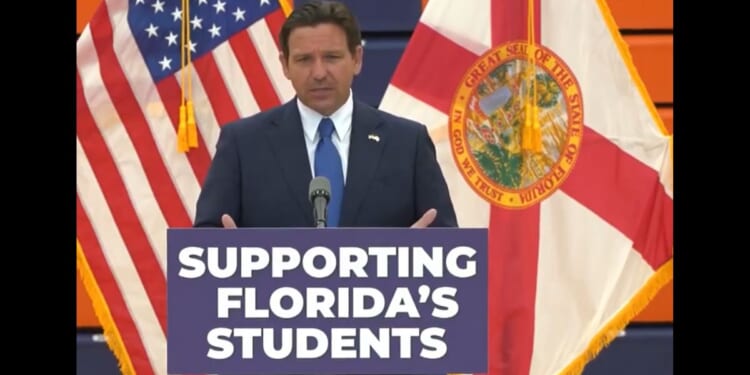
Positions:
{"x": 358, "y": 53}
{"x": 284, "y": 64}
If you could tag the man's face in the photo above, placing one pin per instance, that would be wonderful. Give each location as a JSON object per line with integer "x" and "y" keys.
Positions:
{"x": 320, "y": 66}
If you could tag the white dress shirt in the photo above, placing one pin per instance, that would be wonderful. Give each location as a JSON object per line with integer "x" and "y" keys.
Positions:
{"x": 342, "y": 123}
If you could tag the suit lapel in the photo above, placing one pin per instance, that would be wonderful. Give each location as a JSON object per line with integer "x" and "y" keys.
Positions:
{"x": 365, "y": 151}
{"x": 288, "y": 144}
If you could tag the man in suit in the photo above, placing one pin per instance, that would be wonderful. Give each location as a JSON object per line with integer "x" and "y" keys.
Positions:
{"x": 382, "y": 168}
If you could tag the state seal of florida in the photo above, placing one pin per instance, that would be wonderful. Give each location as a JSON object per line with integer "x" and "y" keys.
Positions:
{"x": 516, "y": 124}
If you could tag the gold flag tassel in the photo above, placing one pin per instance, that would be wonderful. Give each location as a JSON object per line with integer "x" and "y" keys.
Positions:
{"x": 192, "y": 132}
{"x": 187, "y": 133}
{"x": 531, "y": 134}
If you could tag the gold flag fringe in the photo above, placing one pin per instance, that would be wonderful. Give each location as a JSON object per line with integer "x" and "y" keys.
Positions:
{"x": 610, "y": 331}
{"x": 286, "y": 6}
{"x": 665, "y": 273}
{"x": 111, "y": 334}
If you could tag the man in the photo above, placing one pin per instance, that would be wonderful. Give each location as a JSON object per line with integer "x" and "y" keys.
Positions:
{"x": 382, "y": 168}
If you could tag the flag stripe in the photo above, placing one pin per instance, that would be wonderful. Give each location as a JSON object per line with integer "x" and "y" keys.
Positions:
{"x": 116, "y": 196}
{"x": 510, "y": 21}
{"x": 513, "y": 246}
{"x": 170, "y": 94}
{"x": 134, "y": 122}
{"x": 434, "y": 83}
{"x": 641, "y": 206}
{"x": 210, "y": 79}
{"x": 116, "y": 305}
{"x": 466, "y": 26}
{"x": 252, "y": 68}
{"x": 275, "y": 20}
{"x": 413, "y": 108}
{"x": 113, "y": 136}
{"x": 513, "y": 253}
{"x": 161, "y": 125}
{"x": 118, "y": 257}
{"x": 245, "y": 100}
{"x": 268, "y": 50}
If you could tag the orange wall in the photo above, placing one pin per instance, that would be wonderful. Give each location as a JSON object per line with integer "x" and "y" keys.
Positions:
{"x": 84, "y": 10}
{"x": 652, "y": 56}
{"x": 84, "y": 308}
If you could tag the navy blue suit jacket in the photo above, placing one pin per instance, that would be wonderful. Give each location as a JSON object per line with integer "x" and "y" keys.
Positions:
{"x": 260, "y": 174}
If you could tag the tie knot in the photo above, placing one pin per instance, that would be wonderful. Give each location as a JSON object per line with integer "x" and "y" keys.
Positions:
{"x": 325, "y": 128}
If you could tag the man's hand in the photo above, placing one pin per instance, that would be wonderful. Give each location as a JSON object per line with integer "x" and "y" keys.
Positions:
{"x": 228, "y": 222}
{"x": 426, "y": 219}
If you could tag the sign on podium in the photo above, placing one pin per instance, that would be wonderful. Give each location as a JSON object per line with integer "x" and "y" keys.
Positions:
{"x": 327, "y": 301}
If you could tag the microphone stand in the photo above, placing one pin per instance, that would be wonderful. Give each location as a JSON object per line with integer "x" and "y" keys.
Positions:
{"x": 320, "y": 208}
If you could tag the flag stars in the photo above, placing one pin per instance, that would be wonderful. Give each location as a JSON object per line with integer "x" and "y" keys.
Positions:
{"x": 191, "y": 46}
{"x": 177, "y": 14}
{"x": 197, "y": 23}
{"x": 166, "y": 63}
{"x": 205, "y": 26}
{"x": 214, "y": 30}
{"x": 171, "y": 39}
{"x": 239, "y": 14}
{"x": 219, "y": 6}
{"x": 158, "y": 6}
{"x": 151, "y": 30}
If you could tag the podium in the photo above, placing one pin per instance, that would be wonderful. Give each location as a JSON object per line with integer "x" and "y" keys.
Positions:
{"x": 326, "y": 301}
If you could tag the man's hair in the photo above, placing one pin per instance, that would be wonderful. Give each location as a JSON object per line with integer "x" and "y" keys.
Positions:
{"x": 317, "y": 12}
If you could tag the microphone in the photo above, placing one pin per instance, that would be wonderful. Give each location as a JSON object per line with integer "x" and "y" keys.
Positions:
{"x": 320, "y": 194}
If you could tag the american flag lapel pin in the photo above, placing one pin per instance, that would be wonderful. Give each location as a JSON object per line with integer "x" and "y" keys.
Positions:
{"x": 373, "y": 137}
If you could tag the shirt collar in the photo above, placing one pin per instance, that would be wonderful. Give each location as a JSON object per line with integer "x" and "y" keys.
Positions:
{"x": 342, "y": 119}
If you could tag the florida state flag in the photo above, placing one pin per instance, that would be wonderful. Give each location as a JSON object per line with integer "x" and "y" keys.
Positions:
{"x": 547, "y": 137}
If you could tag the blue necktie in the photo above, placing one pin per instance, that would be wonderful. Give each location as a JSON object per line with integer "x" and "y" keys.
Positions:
{"x": 328, "y": 164}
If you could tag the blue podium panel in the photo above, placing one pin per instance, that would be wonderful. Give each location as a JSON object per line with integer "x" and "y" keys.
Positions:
{"x": 381, "y": 56}
{"x": 93, "y": 356}
{"x": 640, "y": 350}
{"x": 383, "y": 15}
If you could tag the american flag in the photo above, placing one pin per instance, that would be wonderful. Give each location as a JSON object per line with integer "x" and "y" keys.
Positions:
{"x": 132, "y": 180}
